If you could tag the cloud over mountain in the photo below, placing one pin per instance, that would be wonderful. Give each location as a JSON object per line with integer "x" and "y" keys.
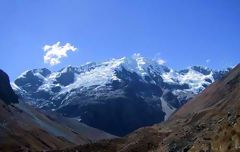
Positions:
{"x": 54, "y": 53}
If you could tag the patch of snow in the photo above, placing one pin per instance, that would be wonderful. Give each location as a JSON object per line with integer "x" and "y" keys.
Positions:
{"x": 140, "y": 62}
{"x": 14, "y": 86}
{"x": 193, "y": 78}
{"x": 170, "y": 77}
{"x": 99, "y": 76}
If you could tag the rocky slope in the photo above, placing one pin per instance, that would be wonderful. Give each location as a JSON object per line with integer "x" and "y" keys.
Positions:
{"x": 24, "y": 128}
{"x": 117, "y": 96}
{"x": 208, "y": 122}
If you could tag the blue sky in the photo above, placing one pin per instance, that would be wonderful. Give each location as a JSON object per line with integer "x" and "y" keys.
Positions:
{"x": 183, "y": 32}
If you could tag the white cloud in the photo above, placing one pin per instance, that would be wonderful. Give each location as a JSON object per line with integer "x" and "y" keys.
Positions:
{"x": 161, "y": 61}
{"x": 55, "y": 52}
{"x": 208, "y": 60}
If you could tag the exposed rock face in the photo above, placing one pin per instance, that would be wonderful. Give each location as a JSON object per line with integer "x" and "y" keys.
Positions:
{"x": 6, "y": 92}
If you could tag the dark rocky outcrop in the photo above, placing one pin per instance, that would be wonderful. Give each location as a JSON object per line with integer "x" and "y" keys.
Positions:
{"x": 6, "y": 92}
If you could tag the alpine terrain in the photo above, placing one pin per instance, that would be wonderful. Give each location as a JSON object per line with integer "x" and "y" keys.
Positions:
{"x": 118, "y": 95}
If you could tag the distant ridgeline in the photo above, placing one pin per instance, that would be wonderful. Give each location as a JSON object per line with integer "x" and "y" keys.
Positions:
{"x": 6, "y": 92}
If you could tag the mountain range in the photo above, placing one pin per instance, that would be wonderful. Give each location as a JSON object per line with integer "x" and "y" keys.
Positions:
{"x": 117, "y": 96}
{"x": 154, "y": 108}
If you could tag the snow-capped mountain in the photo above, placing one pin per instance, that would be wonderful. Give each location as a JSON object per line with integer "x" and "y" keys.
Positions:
{"x": 118, "y": 95}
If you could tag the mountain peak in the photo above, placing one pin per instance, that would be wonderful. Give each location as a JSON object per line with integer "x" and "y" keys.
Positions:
{"x": 43, "y": 72}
